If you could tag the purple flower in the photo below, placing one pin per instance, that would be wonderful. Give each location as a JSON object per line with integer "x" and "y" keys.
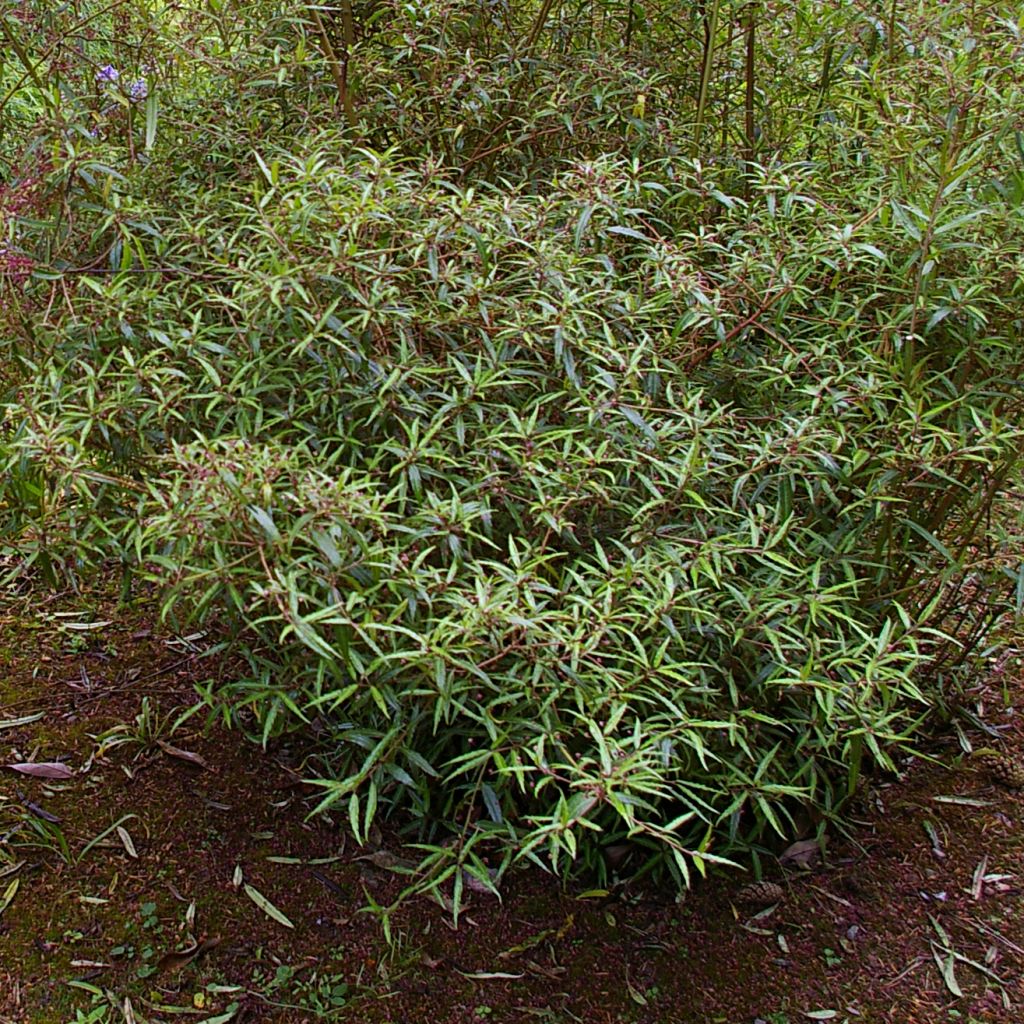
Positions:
{"x": 138, "y": 91}
{"x": 107, "y": 73}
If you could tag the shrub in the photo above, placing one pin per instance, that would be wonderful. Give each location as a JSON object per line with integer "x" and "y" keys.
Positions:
{"x": 624, "y": 495}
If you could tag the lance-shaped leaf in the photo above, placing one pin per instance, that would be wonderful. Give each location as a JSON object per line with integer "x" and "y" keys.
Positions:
{"x": 265, "y": 905}
{"x": 43, "y": 769}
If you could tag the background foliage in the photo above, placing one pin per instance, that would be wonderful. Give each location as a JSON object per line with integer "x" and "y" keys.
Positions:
{"x": 590, "y": 419}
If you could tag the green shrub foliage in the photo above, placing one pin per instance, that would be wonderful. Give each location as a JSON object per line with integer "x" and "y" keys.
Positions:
{"x": 578, "y": 463}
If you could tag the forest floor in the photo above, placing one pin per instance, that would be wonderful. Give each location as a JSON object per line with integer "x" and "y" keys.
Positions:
{"x": 175, "y": 877}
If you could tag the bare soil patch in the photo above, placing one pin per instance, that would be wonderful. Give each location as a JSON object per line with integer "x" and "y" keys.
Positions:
{"x": 205, "y": 844}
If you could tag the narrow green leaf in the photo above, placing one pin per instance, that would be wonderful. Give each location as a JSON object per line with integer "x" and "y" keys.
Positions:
{"x": 265, "y": 905}
{"x": 9, "y": 894}
{"x": 152, "y": 116}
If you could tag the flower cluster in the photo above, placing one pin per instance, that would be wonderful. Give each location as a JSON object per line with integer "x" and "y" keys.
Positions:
{"x": 137, "y": 90}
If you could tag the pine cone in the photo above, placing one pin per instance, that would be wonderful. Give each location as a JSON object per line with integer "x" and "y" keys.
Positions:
{"x": 761, "y": 894}
{"x": 1005, "y": 769}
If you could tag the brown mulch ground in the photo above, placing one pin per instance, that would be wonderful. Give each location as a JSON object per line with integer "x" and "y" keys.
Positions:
{"x": 885, "y": 930}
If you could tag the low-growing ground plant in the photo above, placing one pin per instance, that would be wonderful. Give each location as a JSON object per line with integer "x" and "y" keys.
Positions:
{"x": 579, "y": 466}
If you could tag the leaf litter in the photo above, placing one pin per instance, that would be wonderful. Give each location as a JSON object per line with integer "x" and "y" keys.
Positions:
{"x": 43, "y": 769}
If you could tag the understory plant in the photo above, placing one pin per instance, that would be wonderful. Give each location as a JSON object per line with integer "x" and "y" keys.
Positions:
{"x": 578, "y": 470}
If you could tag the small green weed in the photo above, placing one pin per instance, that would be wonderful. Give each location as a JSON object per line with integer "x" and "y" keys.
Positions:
{"x": 149, "y": 730}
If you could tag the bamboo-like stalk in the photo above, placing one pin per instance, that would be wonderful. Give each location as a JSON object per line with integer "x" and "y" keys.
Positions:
{"x": 348, "y": 35}
{"x": 538, "y": 26}
{"x": 30, "y": 69}
{"x": 705, "y": 75}
{"x": 339, "y": 66}
{"x": 726, "y": 92}
{"x": 750, "y": 94}
{"x": 823, "y": 87}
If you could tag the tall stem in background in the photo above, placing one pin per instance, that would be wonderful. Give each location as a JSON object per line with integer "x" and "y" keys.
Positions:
{"x": 339, "y": 66}
{"x": 727, "y": 91}
{"x": 705, "y": 75}
{"x": 538, "y": 26}
{"x": 823, "y": 87}
{"x": 750, "y": 94}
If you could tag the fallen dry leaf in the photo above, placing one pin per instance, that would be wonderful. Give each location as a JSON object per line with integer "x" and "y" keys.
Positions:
{"x": 184, "y": 755}
{"x": 127, "y": 842}
{"x": 388, "y": 861}
{"x": 43, "y": 769}
{"x": 803, "y": 854}
{"x": 178, "y": 959}
{"x": 35, "y": 809}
